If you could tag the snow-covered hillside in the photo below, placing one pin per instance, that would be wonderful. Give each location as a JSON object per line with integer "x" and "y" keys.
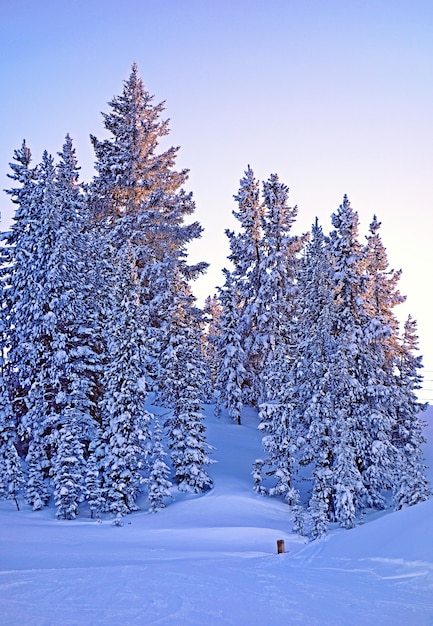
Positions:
{"x": 211, "y": 559}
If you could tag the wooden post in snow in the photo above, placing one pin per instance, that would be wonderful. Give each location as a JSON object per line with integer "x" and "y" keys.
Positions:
{"x": 280, "y": 546}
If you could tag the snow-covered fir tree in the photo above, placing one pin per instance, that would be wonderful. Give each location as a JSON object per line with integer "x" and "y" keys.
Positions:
{"x": 383, "y": 295}
{"x": 275, "y": 336}
{"x": 292, "y": 377}
{"x": 47, "y": 337}
{"x": 212, "y": 323}
{"x": 42, "y": 381}
{"x": 11, "y": 471}
{"x": 125, "y": 428}
{"x": 231, "y": 375}
{"x": 265, "y": 255}
{"x": 184, "y": 372}
{"x": 17, "y": 283}
{"x": 411, "y": 485}
{"x": 137, "y": 200}
{"x": 276, "y": 295}
{"x": 93, "y": 489}
{"x": 246, "y": 255}
{"x": 158, "y": 482}
{"x": 137, "y": 197}
{"x": 68, "y": 470}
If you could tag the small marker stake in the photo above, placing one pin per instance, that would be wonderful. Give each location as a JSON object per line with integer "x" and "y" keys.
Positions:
{"x": 280, "y": 546}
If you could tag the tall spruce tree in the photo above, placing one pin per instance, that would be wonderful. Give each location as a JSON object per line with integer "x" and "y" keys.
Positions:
{"x": 125, "y": 429}
{"x": 311, "y": 384}
{"x": 185, "y": 377}
{"x": 265, "y": 255}
{"x": 16, "y": 272}
{"x": 277, "y": 290}
{"x": 212, "y": 331}
{"x": 158, "y": 482}
{"x": 11, "y": 471}
{"x": 296, "y": 428}
{"x": 47, "y": 340}
{"x": 138, "y": 203}
{"x": 246, "y": 255}
{"x": 411, "y": 485}
{"x": 363, "y": 383}
{"x": 36, "y": 333}
{"x": 231, "y": 375}
{"x": 136, "y": 197}
{"x": 275, "y": 335}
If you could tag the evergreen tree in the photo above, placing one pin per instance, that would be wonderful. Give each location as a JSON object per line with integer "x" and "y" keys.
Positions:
{"x": 16, "y": 273}
{"x": 93, "y": 490}
{"x": 68, "y": 471}
{"x": 11, "y": 472}
{"x": 265, "y": 257}
{"x": 47, "y": 339}
{"x": 137, "y": 199}
{"x": 125, "y": 421}
{"x": 184, "y": 379}
{"x": 231, "y": 375}
{"x": 311, "y": 387}
{"x": 212, "y": 321}
{"x": 246, "y": 254}
{"x": 35, "y": 325}
{"x": 411, "y": 484}
{"x": 279, "y": 418}
{"x": 158, "y": 482}
{"x": 383, "y": 292}
{"x": 359, "y": 336}
{"x": 277, "y": 290}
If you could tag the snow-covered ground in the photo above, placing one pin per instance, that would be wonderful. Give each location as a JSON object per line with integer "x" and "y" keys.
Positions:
{"x": 212, "y": 559}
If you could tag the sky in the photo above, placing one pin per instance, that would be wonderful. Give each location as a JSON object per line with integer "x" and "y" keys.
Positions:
{"x": 334, "y": 96}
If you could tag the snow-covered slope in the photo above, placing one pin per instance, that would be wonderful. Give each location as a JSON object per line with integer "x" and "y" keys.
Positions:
{"x": 212, "y": 559}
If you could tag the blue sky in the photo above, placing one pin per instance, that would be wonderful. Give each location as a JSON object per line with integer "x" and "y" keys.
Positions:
{"x": 334, "y": 96}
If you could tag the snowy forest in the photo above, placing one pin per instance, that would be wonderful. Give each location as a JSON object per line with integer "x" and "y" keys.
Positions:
{"x": 99, "y": 322}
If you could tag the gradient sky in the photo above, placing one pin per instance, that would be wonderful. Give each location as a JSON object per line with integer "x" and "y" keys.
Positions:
{"x": 335, "y": 96}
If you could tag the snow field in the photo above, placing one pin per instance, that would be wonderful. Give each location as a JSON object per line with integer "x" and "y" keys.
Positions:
{"x": 212, "y": 559}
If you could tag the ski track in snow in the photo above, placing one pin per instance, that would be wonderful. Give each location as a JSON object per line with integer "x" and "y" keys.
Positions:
{"x": 211, "y": 560}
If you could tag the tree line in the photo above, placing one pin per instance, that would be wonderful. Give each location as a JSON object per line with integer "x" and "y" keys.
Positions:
{"x": 307, "y": 333}
{"x": 97, "y": 312}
